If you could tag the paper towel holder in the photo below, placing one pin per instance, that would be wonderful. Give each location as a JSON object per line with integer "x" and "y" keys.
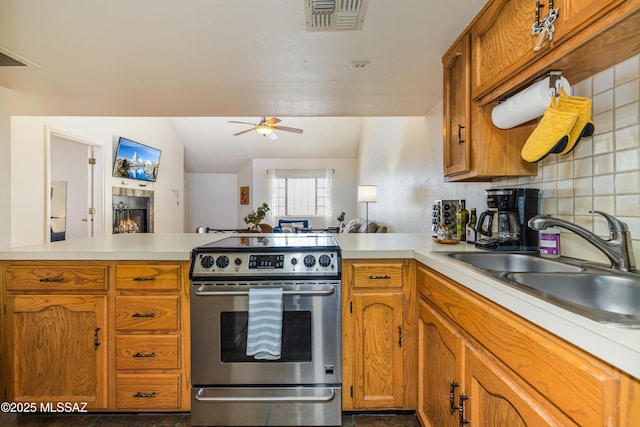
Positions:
{"x": 555, "y": 83}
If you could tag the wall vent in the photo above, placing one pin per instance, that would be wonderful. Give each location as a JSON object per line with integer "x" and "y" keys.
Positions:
{"x": 335, "y": 15}
{"x": 10, "y": 59}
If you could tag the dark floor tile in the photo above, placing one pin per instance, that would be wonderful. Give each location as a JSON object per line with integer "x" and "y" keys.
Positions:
{"x": 138, "y": 420}
{"x": 49, "y": 420}
{"x": 385, "y": 421}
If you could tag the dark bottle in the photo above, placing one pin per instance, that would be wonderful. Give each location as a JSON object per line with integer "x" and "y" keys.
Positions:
{"x": 462, "y": 218}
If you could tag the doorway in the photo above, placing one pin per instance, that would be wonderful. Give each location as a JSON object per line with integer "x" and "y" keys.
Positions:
{"x": 71, "y": 214}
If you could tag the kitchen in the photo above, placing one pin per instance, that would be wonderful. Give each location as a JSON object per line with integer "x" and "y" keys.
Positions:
{"x": 412, "y": 160}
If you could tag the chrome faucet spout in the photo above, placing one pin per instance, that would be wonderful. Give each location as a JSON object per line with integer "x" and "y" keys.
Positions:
{"x": 618, "y": 248}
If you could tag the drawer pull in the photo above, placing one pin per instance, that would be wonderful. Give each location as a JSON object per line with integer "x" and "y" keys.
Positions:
{"x": 385, "y": 277}
{"x": 138, "y": 354}
{"x": 143, "y": 315}
{"x": 145, "y": 395}
{"x": 144, "y": 279}
{"x": 52, "y": 279}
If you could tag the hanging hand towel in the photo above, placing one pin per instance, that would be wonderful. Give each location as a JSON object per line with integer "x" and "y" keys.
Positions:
{"x": 551, "y": 135}
{"x": 264, "y": 334}
{"x": 584, "y": 126}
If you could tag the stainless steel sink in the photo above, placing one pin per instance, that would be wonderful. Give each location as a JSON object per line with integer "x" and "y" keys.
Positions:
{"x": 513, "y": 262}
{"x": 608, "y": 298}
{"x": 598, "y": 293}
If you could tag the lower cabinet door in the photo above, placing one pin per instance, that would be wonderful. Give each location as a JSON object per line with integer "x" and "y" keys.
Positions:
{"x": 379, "y": 365}
{"x": 58, "y": 350}
{"x": 498, "y": 398}
{"x": 440, "y": 362}
{"x": 148, "y": 391}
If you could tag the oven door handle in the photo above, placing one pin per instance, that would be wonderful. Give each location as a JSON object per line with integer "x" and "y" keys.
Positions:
{"x": 324, "y": 292}
{"x": 306, "y": 399}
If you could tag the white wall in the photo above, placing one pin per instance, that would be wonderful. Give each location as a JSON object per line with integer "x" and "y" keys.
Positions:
{"x": 213, "y": 200}
{"x": 5, "y": 168}
{"x": 28, "y": 176}
{"x": 403, "y": 157}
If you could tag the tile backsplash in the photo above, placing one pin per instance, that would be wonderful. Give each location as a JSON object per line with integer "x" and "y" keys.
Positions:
{"x": 603, "y": 171}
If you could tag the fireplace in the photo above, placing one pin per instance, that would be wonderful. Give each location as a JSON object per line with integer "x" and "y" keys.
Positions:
{"x": 132, "y": 211}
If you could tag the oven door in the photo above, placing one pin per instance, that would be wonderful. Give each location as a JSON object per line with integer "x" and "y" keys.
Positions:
{"x": 311, "y": 334}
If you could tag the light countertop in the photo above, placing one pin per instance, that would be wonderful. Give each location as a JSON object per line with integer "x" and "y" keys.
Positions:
{"x": 617, "y": 346}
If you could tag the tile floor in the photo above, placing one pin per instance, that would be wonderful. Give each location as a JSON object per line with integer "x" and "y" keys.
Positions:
{"x": 178, "y": 420}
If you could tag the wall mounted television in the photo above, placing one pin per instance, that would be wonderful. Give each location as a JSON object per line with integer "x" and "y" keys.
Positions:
{"x": 136, "y": 161}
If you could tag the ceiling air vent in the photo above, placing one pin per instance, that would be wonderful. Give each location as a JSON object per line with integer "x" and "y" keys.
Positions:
{"x": 335, "y": 15}
{"x": 10, "y": 59}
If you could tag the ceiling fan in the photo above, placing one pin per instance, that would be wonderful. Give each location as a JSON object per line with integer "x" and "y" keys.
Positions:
{"x": 266, "y": 127}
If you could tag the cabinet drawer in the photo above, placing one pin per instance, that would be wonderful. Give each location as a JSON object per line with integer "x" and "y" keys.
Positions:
{"x": 376, "y": 275}
{"x": 147, "y": 313}
{"x": 147, "y": 351}
{"x": 143, "y": 391}
{"x": 148, "y": 277}
{"x": 58, "y": 277}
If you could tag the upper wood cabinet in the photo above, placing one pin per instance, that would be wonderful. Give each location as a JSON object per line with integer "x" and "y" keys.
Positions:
{"x": 503, "y": 58}
{"x": 457, "y": 107}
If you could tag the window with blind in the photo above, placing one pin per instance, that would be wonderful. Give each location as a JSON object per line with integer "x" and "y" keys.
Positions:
{"x": 301, "y": 192}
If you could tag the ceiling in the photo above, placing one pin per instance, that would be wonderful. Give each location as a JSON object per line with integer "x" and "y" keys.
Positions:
{"x": 216, "y": 60}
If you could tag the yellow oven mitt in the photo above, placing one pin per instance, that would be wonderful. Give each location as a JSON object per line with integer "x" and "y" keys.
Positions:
{"x": 584, "y": 126}
{"x": 551, "y": 135}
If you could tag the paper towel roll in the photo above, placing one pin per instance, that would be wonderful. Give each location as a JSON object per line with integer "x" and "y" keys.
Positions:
{"x": 525, "y": 105}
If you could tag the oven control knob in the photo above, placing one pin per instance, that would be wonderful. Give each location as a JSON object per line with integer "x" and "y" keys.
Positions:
{"x": 309, "y": 261}
{"x": 237, "y": 261}
{"x": 222, "y": 261}
{"x": 294, "y": 261}
{"x": 324, "y": 261}
{"x": 206, "y": 261}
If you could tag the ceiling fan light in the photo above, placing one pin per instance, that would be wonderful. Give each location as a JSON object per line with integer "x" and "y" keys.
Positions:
{"x": 264, "y": 130}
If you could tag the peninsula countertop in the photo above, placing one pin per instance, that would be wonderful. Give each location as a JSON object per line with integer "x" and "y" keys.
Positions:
{"x": 618, "y": 346}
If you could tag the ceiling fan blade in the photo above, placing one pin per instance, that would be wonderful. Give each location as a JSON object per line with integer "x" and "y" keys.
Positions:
{"x": 243, "y": 123}
{"x": 272, "y": 136}
{"x": 244, "y": 131}
{"x": 273, "y": 121}
{"x": 288, "y": 129}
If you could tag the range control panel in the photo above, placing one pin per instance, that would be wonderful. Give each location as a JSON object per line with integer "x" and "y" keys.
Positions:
{"x": 259, "y": 264}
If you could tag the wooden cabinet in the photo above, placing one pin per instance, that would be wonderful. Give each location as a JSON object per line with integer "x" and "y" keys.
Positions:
{"x": 494, "y": 59}
{"x": 474, "y": 149}
{"x": 148, "y": 337}
{"x": 502, "y": 40}
{"x": 55, "y": 342}
{"x": 68, "y": 336}
{"x": 457, "y": 107}
{"x": 378, "y": 335}
{"x": 510, "y": 371}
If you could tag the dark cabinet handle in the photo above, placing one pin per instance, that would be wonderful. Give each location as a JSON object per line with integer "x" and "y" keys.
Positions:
{"x": 143, "y": 315}
{"x": 52, "y": 280}
{"x": 452, "y": 397}
{"x": 145, "y": 395}
{"x": 400, "y": 336}
{"x": 460, "y": 140}
{"x": 96, "y": 337}
{"x": 385, "y": 277}
{"x": 144, "y": 279}
{"x": 463, "y": 420}
{"x": 143, "y": 355}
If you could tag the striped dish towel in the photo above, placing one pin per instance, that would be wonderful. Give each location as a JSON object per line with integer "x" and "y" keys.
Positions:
{"x": 264, "y": 334}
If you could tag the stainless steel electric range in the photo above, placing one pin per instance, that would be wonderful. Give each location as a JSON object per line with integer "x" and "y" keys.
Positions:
{"x": 302, "y": 386}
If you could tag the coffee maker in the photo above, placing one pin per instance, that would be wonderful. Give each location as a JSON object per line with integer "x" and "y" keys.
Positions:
{"x": 504, "y": 225}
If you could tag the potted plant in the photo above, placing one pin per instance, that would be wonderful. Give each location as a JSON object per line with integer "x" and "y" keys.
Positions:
{"x": 254, "y": 217}
{"x": 340, "y": 219}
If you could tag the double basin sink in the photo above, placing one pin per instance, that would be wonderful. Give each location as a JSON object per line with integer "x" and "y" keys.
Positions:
{"x": 598, "y": 293}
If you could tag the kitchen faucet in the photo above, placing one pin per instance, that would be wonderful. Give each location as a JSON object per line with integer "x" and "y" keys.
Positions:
{"x": 619, "y": 248}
